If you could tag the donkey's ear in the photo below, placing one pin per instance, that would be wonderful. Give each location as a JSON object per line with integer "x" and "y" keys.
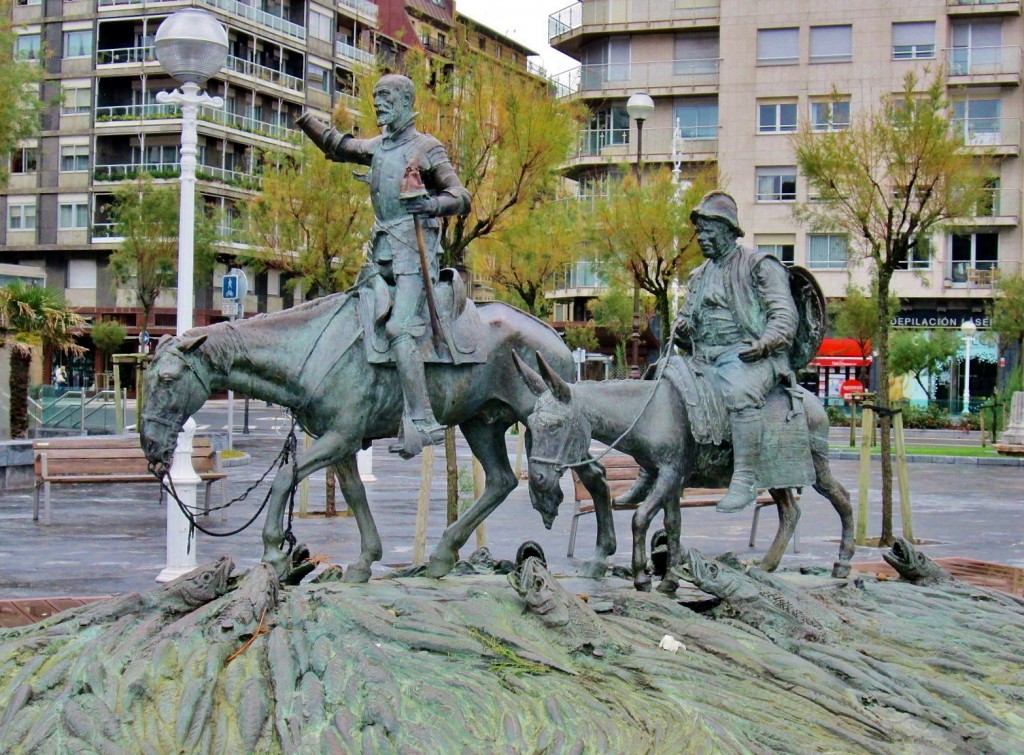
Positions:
{"x": 533, "y": 381}
{"x": 164, "y": 340}
{"x": 559, "y": 388}
{"x": 188, "y": 345}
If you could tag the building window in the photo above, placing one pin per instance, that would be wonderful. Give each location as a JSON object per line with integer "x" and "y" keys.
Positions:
{"x": 74, "y": 158}
{"x": 82, "y": 273}
{"x": 318, "y": 78}
{"x": 73, "y": 216}
{"x": 784, "y": 252}
{"x": 482, "y": 42}
{"x": 776, "y": 117}
{"x": 78, "y": 44}
{"x": 919, "y": 258}
{"x": 608, "y": 60}
{"x": 977, "y": 48}
{"x": 321, "y": 26}
{"x": 27, "y": 46}
{"x": 826, "y": 251}
{"x": 978, "y": 121}
{"x": 778, "y": 46}
{"x": 696, "y": 53}
{"x": 831, "y": 44}
{"x": 21, "y": 215}
{"x": 608, "y": 127}
{"x": 697, "y": 119}
{"x": 830, "y": 115}
{"x": 23, "y": 160}
{"x": 972, "y": 253}
{"x": 77, "y": 101}
{"x": 913, "y": 40}
{"x": 777, "y": 184}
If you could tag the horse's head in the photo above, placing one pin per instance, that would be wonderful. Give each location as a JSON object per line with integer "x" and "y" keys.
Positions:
{"x": 177, "y": 384}
{"x": 559, "y": 434}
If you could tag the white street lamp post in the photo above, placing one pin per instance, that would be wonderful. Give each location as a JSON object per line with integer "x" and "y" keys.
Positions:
{"x": 639, "y": 107}
{"x": 192, "y": 46}
{"x": 968, "y": 329}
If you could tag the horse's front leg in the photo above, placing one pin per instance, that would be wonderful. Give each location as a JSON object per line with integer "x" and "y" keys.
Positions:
{"x": 595, "y": 481}
{"x": 487, "y": 441}
{"x": 370, "y": 549}
{"x": 327, "y": 449}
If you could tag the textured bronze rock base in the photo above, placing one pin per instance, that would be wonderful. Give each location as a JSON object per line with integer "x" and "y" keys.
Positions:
{"x": 778, "y": 663}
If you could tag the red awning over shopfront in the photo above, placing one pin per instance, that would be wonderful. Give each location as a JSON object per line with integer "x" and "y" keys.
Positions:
{"x": 840, "y": 352}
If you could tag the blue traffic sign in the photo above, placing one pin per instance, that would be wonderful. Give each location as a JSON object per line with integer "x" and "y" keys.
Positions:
{"x": 229, "y": 287}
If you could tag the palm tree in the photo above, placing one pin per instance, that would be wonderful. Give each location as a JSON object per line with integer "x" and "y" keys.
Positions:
{"x": 32, "y": 316}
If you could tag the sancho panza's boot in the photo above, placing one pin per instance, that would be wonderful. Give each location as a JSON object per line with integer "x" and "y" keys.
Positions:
{"x": 746, "y": 452}
{"x": 419, "y": 427}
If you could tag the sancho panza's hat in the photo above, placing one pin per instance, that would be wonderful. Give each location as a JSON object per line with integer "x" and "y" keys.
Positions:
{"x": 719, "y": 206}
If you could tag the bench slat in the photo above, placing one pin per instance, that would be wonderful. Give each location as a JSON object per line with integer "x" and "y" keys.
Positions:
{"x": 85, "y": 479}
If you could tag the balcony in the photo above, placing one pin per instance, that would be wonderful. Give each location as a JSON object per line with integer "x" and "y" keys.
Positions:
{"x": 621, "y": 80}
{"x": 362, "y": 10}
{"x": 990, "y": 136}
{"x": 259, "y": 17}
{"x": 126, "y": 56}
{"x": 568, "y": 27}
{"x": 247, "y": 123}
{"x": 354, "y": 54}
{"x": 148, "y": 111}
{"x": 611, "y": 146}
{"x": 983, "y": 7}
{"x": 580, "y": 279}
{"x": 978, "y": 274}
{"x": 264, "y": 74}
{"x": 1000, "y": 207}
{"x": 167, "y": 170}
{"x": 435, "y": 45}
{"x": 983, "y": 65}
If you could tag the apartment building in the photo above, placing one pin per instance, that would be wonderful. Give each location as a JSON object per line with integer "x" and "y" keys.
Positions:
{"x": 733, "y": 79}
{"x": 104, "y": 126}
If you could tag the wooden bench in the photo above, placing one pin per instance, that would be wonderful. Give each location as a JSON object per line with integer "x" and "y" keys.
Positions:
{"x": 112, "y": 460}
{"x": 621, "y": 472}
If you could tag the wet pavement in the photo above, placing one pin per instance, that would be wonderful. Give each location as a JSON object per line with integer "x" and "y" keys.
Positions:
{"x": 111, "y": 539}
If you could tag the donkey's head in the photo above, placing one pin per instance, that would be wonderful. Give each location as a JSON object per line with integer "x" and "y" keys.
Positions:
{"x": 559, "y": 434}
{"x": 177, "y": 384}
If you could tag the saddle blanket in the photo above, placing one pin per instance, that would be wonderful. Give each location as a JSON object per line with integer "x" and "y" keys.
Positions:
{"x": 785, "y": 443}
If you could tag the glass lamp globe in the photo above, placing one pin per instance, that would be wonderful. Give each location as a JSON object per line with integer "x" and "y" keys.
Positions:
{"x": 191, "y": 45}
{"x": 640, "y": 106}
{"x": 968, "y": 328}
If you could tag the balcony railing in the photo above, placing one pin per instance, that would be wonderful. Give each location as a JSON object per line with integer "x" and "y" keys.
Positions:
{"x": 123, "y": 171}
{"x": 107, "y": 113}
{"x": 992, "y": 133}
{"x": 983, "y": 61}
{"x": 629, "y": 77}
{"x": 615, "y": 143}
{"x": 368, "y": 11}
{"x": 120, "y": 55}
{"x": 246, "y": 123}
{"x": 116, "y": 3}
{"x": 350, "y": 100}
{"x": 631, "y": 13}
{"x": 999, "y": 203}
{"x": 260, "y": 17}
{"x": 1008, "y": 6}
{"x": 349, "y": 52}
{"x": 264, "y": 73}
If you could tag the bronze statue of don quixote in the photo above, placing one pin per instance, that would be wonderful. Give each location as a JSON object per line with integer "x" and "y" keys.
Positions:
{"x": 506, "y": 656}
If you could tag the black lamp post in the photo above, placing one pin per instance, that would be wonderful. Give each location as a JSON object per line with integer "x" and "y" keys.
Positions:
{"x": 639, "y": 107}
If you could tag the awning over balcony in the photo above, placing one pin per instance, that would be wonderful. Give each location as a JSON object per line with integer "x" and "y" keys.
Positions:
{"x": 840, "y": 352}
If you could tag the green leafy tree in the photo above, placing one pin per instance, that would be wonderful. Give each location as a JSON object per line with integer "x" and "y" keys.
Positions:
{"x": 20, "y": 106}
{"x": 108, "y": 335}
{"x": 643, "y": 230}
{"x": 310, "y": 220}
{"x": 855, "y": 316}
{"x": 1007, "y": 316}
{"x": 30, "y": 317}
{"x": 920, "y": 353}
{"x": 145, "y": 216}
{"x": 895, "y": 175}
{"x": 581, "y": 337}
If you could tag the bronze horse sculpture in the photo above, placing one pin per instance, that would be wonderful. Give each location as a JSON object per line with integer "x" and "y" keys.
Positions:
{"x": 650, "y": 422}
{"x": 310, "y": 359}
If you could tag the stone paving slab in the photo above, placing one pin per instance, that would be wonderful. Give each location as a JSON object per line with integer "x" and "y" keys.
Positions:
{"x": 112, "y": 539}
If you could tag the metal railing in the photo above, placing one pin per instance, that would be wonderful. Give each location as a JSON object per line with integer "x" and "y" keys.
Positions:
{"x": 350, "y": 100}
{"x": 632, "y": 12}
{"x": 246, "y": 123}
{"x": 121, "y": 171}
{"x": 264, "y": 73}
{"x": 121, "y": 55}
{"x": 999, "y": 203}
{"x": 261, "y": 17}
{"x": 988, "y": 132}
{"x": 350, "y": 52}
{"x": 362, "y": 8}
{"x": 602, "y": 77}
{"x": 116, "y": 3}
{"x": 963, "y": 3}
{"x": 614, "y": 142}
{"x": 983, "y": 61}
{"x": 106, "y": 113}
{"x": 77, "y": 410}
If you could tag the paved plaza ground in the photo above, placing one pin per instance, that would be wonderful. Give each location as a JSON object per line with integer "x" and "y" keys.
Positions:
{"x": 111, "y": 539}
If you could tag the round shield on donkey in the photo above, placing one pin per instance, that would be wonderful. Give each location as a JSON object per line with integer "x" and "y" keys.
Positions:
{"x": 812, "y": 317}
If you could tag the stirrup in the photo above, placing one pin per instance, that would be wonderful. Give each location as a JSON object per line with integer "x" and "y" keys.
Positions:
{"x": 415, "y": 434}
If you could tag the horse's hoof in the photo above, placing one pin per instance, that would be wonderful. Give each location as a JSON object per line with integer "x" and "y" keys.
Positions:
{"x": 593, "y": 569}
{"x": 668, "y": 586}
{"x": 840, "y": 570}
{"x": 642, "y": 583}
{"x": 356, "y": 573}
{"x": 440, "y": 564}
